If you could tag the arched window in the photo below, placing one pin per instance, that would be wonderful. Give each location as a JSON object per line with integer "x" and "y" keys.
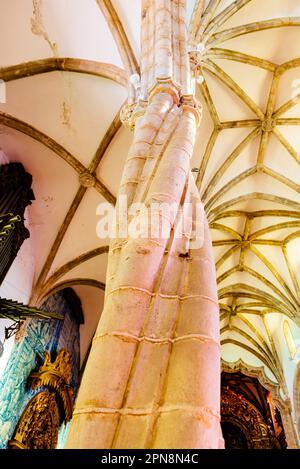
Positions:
{"x": 289, "y": 339}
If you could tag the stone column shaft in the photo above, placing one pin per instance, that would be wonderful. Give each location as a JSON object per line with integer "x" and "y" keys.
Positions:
{"x": 152, "y": 379}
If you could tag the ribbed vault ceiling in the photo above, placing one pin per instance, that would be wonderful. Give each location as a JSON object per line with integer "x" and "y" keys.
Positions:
{"x": 249, "y": 167}
{"x": 66, "y": 65}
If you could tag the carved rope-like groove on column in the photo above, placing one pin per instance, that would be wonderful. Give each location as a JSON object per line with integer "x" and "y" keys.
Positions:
{"x": 163, "y": 340}
{"x": 161, "y": 295}
{"x": 198, "y": 411}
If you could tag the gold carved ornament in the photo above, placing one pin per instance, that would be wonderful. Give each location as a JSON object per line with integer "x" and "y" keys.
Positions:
{"x": 39, "y": 423}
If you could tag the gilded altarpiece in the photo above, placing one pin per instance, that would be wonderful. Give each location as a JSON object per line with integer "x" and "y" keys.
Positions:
{"x": 39, "y": 424}
{"x": 18, "y": 385}
{"x": 249, "y": 418}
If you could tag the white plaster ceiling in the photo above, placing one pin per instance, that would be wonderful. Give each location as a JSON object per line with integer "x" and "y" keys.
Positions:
{"x": 78, "y": 111}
